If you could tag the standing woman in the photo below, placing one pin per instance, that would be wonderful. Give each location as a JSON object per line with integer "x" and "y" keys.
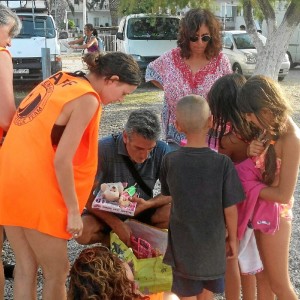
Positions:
{"x": 10, "y": 26}
{"x": 89, "y": 41}
{"x": 48, "y": 164}
{"x": 277, "y": 157}
{"x": 191, "y": 68}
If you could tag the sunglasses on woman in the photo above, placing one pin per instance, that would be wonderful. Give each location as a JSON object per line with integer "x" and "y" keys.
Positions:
{"x": 204, "y": 38}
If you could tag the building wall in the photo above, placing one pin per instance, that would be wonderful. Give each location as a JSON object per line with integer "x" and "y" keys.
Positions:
{"x": 96, "y": 16}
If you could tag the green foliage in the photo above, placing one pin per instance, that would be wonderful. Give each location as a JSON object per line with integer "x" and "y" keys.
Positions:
{"x": 159, "y": 6}
{"x": 71, "y": 24}
{"x": 257, "y": 13}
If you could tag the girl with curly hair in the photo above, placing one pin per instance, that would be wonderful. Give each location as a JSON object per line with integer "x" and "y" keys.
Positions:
{"x": 99, "y": 274}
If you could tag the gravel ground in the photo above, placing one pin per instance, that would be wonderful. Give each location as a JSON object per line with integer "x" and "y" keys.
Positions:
{"x": 113, "y": 119}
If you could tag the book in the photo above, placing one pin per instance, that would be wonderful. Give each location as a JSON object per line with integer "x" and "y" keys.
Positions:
{"x": 113, "y": 206}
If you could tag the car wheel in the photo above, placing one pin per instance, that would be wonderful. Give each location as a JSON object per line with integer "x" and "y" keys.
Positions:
{"x": 236, "y": 68}
{"x": 280, "y": 78}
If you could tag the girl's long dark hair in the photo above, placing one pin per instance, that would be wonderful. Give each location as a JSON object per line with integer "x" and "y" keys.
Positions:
{"x": 222, "y": 100}
{"x": 260, "y": 93}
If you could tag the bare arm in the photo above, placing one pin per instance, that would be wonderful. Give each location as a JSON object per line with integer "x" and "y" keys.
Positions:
{"x": 231, "y": 218}
{"x": 77, "y": 41}
{"x": 75, "y": 115}
{"x": 290, "y": 159}
{"x": 92, "y": 41}
{"x": 7, "y": 101}
{"x": 155, "y": 202}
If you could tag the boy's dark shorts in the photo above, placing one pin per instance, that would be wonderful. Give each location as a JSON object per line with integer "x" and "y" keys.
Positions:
{"x": 144, "y": 217}
{"x": 184, "y": 287}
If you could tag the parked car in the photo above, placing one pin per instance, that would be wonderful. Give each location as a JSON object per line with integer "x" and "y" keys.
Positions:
{"x": 239, "y": 48}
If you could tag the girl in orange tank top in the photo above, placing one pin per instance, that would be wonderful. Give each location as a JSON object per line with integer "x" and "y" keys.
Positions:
{"x": 48, "y": 163}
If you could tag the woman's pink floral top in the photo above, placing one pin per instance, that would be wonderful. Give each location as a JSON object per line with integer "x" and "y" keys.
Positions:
{"x": 178, "y": 81}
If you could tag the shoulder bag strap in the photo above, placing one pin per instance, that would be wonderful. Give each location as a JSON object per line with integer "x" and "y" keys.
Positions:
{"x": 134, "y": 172}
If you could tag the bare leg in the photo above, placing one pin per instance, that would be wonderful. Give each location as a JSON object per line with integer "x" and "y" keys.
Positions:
{"x": 92, "y": 231}
{"x": 232, "y": 280}
{"x": 26, "y": 264}
{"x": 264, "y": 291}
{"x": 161, "y": 217}
{"x": 248, "y": 287}
{"x": 53, "y": 260}
{"x": 274, "y": 252}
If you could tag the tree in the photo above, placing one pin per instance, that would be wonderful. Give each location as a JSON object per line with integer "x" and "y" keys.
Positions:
{"x": 270, "y": 55}
{"x": 159, "y": 6}
{"x": 113, "y": 7}
{"x": 58, "y": 8}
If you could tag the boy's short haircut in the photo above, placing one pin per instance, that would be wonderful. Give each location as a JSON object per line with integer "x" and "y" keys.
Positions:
{"x": 192, "y": 113}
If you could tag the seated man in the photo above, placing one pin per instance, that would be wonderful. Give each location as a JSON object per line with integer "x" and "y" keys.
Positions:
{"x": 139, "y": 142}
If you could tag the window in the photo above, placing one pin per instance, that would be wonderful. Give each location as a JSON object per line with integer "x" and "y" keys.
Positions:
{"x": 96, "y": 22}
{"x": 227, "y": 43}
{"x": 42, "y": 26}
{"x": 243, "y": 41}
{"x": 153, "y": 28}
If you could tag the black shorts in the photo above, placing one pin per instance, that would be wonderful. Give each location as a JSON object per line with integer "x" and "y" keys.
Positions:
{"x": 184, "y": 287}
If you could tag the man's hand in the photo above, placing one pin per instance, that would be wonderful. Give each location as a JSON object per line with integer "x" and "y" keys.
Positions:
{"x": 141, "y": 204}
{"x": 124, "y": 232}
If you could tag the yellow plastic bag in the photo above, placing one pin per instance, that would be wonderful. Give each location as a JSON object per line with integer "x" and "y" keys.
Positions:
{"x": 151, "y": 274}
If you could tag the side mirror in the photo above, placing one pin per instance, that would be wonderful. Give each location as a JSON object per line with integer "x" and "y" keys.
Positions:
{"x": 120, "y": 36}
{"x": 231, "y": 47}
{"x": 63, "y": 35}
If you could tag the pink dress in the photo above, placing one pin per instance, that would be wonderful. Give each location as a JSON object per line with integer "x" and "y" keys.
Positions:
{"x": 177, "y": 79}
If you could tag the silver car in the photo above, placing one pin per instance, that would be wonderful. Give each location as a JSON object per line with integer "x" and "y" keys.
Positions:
{"x": 239, "y": 48}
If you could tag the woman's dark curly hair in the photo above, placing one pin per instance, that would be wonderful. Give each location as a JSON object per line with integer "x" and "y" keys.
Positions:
{"x": 98, "y": 274}
{"x": 258, "y": 93}
{"x": 189, "y": 26}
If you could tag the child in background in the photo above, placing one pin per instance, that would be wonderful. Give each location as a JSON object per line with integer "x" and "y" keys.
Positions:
{"x": 278, "y": 156}
{"x": 205, "y": 188}
{"x": 233, "y": 135}
{"x": 89, "y": 41}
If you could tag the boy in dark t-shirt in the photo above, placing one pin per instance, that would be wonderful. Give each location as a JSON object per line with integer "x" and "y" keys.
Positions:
{"x": 205, "y": 188}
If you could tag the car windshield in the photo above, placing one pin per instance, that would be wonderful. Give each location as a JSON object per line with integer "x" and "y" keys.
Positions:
{"x": 41, "y": 26}
{"x": 153, "y": 28}
{"x": 243, "y": 41}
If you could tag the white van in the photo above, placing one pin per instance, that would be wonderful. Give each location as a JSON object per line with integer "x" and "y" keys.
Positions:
{"x": 147, "y": 36}
{"x": 38, "y": 31}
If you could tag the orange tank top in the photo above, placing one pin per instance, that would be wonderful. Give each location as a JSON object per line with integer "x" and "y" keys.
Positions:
{"x": 1, "y": 130}
{"x": 29, "y": 193}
